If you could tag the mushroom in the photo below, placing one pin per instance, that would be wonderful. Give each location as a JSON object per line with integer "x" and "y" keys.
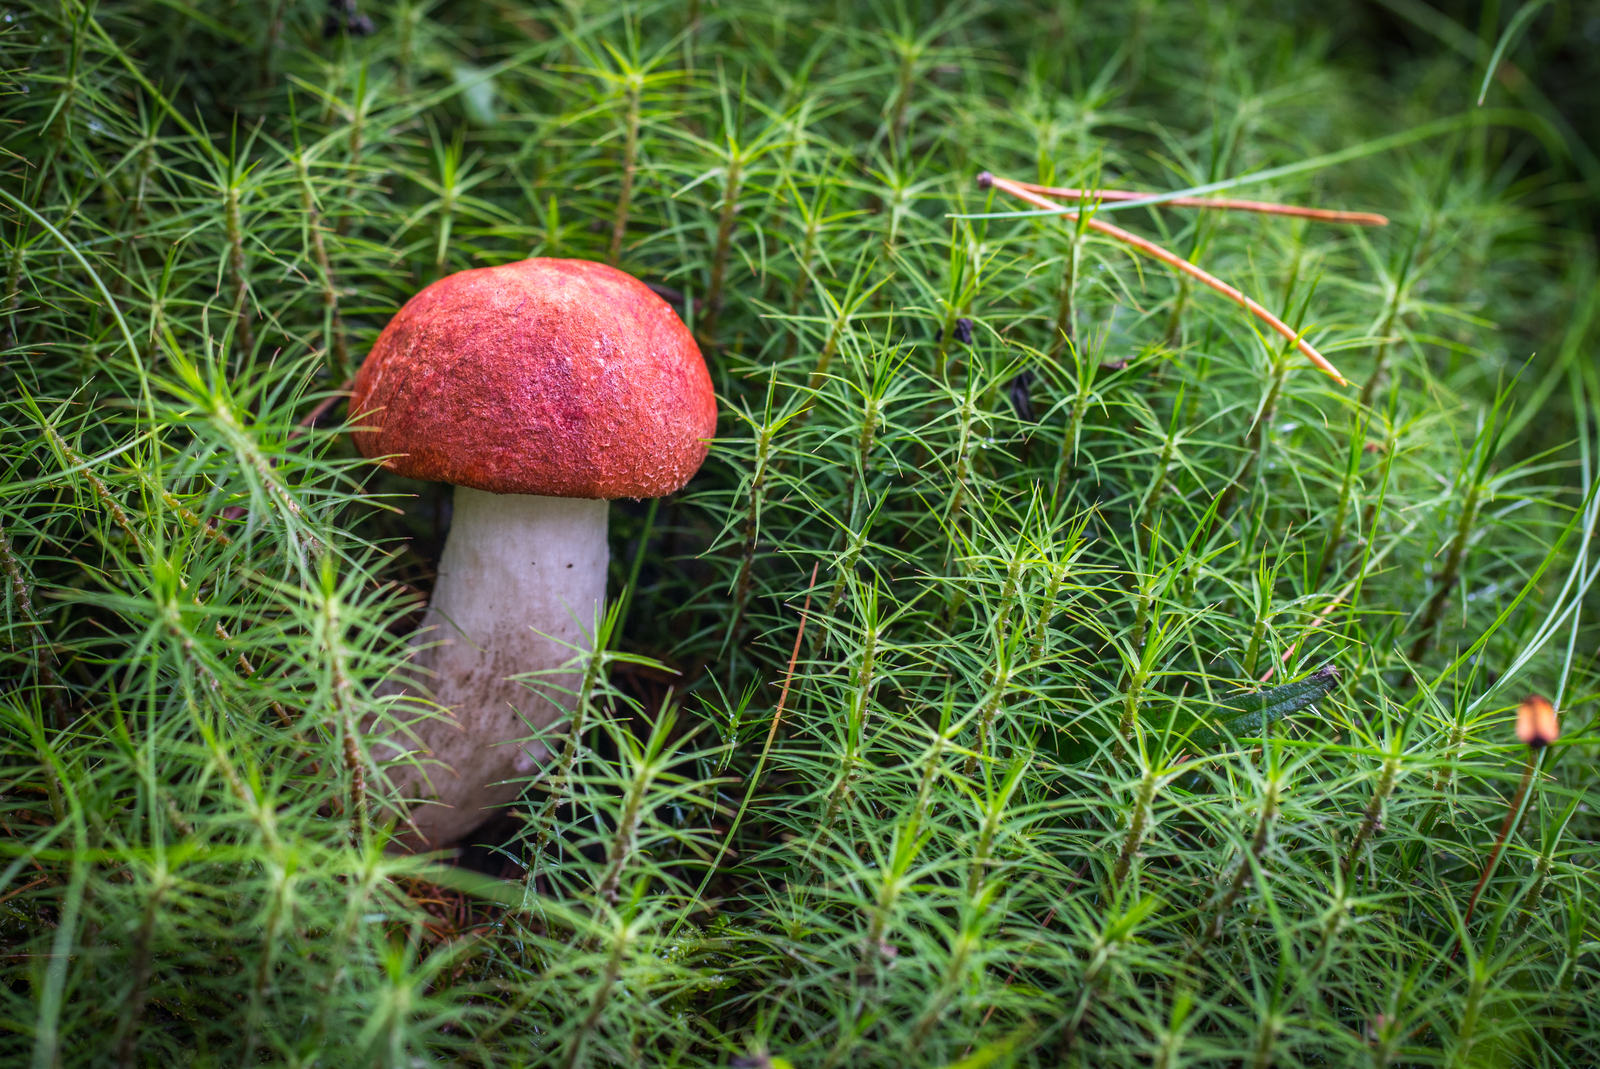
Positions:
{"x": 541, "y": 390}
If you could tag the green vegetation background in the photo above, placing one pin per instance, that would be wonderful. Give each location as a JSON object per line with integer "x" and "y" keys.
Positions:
{"x": 1030, "y": 550}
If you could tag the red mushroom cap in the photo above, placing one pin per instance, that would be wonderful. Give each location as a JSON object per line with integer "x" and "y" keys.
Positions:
{"x": 561, "y": 378}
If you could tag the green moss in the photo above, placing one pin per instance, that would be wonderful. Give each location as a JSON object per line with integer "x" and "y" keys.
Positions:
{"x": 1052, "y": 509}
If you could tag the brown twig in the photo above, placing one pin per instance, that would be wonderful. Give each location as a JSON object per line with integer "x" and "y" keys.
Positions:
{"x": 1324, "y": 215}
{"x": 1537, "y": 727}
{"x": 1500, "y": 844}
{"x": 794, "y": 655}
{"x": 772, "y": 734}
{"x": 322, "y": 409}
{"x": 24, "y": 887}
{"x": 1321, "y": 619}
{"x": 1174, "y": 261}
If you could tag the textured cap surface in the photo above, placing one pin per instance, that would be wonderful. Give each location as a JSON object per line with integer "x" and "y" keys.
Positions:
{"x": 561, "y": 378}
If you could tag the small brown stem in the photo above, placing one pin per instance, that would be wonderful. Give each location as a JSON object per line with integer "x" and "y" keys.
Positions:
{"x": 772, "y": 734}
{"x": 1322, "y": 618}
{"x": 322, "y": 409}
{"x": 1500, "y": 844}
{"x": 788, "y": 677}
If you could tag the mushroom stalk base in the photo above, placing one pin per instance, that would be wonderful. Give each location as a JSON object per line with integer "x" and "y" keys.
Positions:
{"x": 520, "y": 584}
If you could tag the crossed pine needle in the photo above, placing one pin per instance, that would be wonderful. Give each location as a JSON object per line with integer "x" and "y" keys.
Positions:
{"x": 1038, "y": 196}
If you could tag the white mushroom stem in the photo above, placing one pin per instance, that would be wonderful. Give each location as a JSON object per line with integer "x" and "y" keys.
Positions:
{"x": 520, "y": 576}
